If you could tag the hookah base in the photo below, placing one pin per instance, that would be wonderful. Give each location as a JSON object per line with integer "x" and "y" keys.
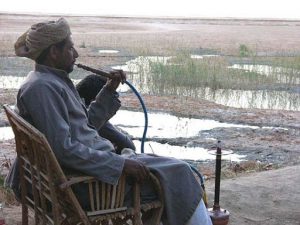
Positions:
{"x": 219, "y": 216}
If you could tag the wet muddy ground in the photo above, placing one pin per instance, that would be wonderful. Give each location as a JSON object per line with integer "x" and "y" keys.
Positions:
{"x": 272, "y": 139}
{"x": 276, "y": 144}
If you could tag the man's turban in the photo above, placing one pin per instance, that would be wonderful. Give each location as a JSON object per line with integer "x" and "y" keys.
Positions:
{"x": 40, "y": 36}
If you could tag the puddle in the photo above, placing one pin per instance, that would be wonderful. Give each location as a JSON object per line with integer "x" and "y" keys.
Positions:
{"x": 181, "y": 152}
{"x": 165, "y": 125}
{"x": 108, "y": 51}
{"x": 6, "y": 133}
{"x": 11, "y": 82}
{"x": 202, "y": 56}
{"x": 141, "y": 64}
{"x": 280, "y": 73}
{"x": 260, "y": 99}
{"x": 162, "y": 126}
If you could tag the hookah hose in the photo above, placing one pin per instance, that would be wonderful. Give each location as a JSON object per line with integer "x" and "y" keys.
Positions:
{"x": 108, "y": 75}
{"x": 145, "y": 114}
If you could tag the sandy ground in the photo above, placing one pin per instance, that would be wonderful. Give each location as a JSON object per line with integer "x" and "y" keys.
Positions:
{"x": 266, "y": 197}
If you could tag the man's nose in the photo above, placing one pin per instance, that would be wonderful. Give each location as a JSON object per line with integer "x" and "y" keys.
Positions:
{"x": 75, "y": 53}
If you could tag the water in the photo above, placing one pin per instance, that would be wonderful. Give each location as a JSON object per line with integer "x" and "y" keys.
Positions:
{"x": 13, "y": 82}
{"x": 280, "y": 73}
{"x": 181, "y": 152}
{"x": 141, "y": 64}
{"x": 202, "y": 56}
{"x": 108, "y": 51}
{"x": 6, "y": 133}
{"x": 261, "y": 99}
{"x": 163, "y": 125}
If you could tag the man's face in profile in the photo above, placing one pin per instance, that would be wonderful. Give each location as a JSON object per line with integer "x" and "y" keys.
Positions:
{"x": 67, "y": 56}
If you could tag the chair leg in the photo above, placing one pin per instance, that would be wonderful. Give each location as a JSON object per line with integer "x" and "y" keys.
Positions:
{"x": 152, "y": 217}
{"x": 122, "y": 221}
{"x": 136, "y": 219}
{"x": 24, "y": 214}
{"x": 104, "y": 222}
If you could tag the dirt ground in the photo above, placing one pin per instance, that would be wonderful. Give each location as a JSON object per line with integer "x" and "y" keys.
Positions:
{"x": 255, "y": 193}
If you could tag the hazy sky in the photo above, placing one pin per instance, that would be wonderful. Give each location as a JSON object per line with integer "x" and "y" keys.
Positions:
{"x": 184, "y": 8}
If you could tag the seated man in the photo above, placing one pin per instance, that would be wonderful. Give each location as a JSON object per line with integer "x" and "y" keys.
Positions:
{"x": 50, "y": 102}
{"x": 88, "y": 88}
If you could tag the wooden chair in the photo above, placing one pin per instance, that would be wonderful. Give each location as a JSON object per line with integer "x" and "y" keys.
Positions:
{"x": 47, "y": 190}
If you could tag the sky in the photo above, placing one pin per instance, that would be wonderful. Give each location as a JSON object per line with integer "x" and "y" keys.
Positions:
{"x": 277, "y": 9}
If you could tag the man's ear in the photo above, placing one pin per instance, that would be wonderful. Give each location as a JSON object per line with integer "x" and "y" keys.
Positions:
{"x": 53, "y": 52}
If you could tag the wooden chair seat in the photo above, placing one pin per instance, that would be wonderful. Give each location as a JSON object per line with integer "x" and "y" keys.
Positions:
{"x": 47, "y": 190}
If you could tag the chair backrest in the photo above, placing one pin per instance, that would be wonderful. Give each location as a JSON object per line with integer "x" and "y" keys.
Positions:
{"x": 41, "y": 176}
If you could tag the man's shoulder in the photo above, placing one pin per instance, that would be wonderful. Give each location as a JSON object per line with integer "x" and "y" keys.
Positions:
{"x": 36, "y": 78}
{"x": 37, "y": 82}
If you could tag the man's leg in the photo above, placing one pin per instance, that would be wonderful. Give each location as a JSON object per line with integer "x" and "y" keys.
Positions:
{"x": 200, "y": 216}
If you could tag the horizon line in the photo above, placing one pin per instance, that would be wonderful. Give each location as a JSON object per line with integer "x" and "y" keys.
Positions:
{"x": 40, "y": 14}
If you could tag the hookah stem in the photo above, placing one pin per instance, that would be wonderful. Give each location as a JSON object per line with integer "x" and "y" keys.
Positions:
{"x": 218, "y": 176}
{"x": 110, "y": 76}
{"x": 98, "y": 72}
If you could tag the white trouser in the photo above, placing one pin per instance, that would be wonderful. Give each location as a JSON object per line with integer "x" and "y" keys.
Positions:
{"x": 200, "y": 216}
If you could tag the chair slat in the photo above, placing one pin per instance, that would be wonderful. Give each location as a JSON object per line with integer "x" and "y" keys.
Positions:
{"x": 97, "y": 196}
{"x": 108, "y": 195}
{"x": 103, "y": 190}
{"x": 91, "y": 193}
{"x": 113, "y": 197}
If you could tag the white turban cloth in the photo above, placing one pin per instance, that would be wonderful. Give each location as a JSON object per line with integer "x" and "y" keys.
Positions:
{"x": 40, "y": 36}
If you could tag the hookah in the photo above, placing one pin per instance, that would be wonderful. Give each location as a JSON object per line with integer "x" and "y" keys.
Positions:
{"x": 110, "y": 76}
{"x": 218, "y": 215}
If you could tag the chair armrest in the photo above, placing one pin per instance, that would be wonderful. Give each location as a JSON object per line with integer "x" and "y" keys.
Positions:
{"x": 74, "y": 180}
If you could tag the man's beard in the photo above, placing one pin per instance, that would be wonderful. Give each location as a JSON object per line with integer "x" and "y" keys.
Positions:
{"x": 70, "y": 68}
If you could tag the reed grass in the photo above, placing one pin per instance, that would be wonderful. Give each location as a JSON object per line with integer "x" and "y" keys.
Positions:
{"x": 214, "y": 79}
{"x": 212, "y": 72}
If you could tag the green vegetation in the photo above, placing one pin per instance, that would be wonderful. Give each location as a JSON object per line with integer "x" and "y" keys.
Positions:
{"x": 212, "y": 72}
{"x": 244, "y": 51}
{"x": 82, "y": 45}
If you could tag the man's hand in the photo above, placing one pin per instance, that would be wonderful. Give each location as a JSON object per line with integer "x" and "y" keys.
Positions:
{"x": 136, "y": 170}
{"x": 119, "y": 76}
